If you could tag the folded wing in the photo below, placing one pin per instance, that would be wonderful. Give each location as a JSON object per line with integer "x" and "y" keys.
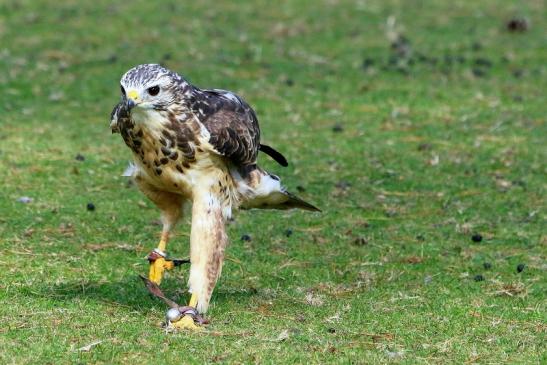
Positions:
{"x": 232, "y": 124}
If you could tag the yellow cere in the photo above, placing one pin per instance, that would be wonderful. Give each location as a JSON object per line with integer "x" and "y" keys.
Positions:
{"x": 132, "y": 94}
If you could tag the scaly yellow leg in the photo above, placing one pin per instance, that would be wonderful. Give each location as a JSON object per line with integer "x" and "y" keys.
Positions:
{"x": 159, "y": 265}
{"x": 187, "y": 322}
{"x": 193, "y": 301}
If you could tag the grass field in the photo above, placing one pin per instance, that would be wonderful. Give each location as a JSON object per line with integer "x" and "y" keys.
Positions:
{"x": 414, "y": 125}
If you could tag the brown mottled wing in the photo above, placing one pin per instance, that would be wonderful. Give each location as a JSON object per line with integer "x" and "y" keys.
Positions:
{"x": 232, "y": 124}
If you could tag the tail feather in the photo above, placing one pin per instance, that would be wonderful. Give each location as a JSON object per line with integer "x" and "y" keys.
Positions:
{"x": 264, "y": 191}
{"x": 276, "y": 155}
{"x": 295, "y": 202}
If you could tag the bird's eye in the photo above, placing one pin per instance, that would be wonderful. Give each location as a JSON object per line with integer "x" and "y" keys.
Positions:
{"x": 154, "y": 90}
{"x": 123, "y": 90}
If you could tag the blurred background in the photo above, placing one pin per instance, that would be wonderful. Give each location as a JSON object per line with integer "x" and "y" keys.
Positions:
{"x": 417, "y": 126}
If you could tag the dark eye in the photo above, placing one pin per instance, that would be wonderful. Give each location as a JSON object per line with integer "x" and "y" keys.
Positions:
{"x": 123, "y": 90}
{"x": 154, "y": 90}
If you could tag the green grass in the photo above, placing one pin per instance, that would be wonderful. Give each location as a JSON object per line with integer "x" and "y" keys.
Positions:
{"x": 430, "y": 153}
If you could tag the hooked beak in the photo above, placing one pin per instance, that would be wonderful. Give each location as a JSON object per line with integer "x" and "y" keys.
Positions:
{"x": 129, "y": 103}
{"x": 132, "y": 99}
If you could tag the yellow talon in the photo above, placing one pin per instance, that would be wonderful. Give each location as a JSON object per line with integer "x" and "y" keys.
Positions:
{"x": 159, "y": 265}
{"x": 187, "y": 322}
{"x": 156, "y": 270}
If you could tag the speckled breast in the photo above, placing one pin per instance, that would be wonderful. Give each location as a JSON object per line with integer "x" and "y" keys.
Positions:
{"x": 166, "y": 152}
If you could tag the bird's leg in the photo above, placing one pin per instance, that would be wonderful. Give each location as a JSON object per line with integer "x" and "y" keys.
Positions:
{"x": 170, "y": 205}
{"x": 158, "y": 259}
{"x": 208, "y": 241}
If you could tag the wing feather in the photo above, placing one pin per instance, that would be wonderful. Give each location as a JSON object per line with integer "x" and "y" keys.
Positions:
{"x": 232, "y": 124}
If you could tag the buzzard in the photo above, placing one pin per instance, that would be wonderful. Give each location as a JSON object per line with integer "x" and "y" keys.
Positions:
{"x": 195, "y": 146}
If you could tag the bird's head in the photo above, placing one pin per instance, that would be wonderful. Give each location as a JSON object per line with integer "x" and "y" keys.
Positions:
{"x": 151, "y": 86}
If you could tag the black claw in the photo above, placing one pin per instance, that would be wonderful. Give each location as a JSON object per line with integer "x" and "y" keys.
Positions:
{"x": 178, "y": 262}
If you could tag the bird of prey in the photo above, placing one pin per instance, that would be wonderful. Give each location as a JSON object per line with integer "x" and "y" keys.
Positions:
{"x": 197, "y": 146}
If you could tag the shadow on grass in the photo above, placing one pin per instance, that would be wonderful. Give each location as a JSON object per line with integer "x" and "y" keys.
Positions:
{"x": 129, "y": 292}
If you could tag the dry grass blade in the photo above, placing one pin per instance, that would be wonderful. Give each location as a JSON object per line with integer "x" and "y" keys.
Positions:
{"x": 155, "y": 290}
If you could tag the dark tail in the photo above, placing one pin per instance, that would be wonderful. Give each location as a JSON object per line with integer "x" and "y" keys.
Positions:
{"x": 278, "y": 157}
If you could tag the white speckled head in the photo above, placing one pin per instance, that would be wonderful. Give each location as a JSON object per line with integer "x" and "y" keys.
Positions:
{"x": 151, "y": 86}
